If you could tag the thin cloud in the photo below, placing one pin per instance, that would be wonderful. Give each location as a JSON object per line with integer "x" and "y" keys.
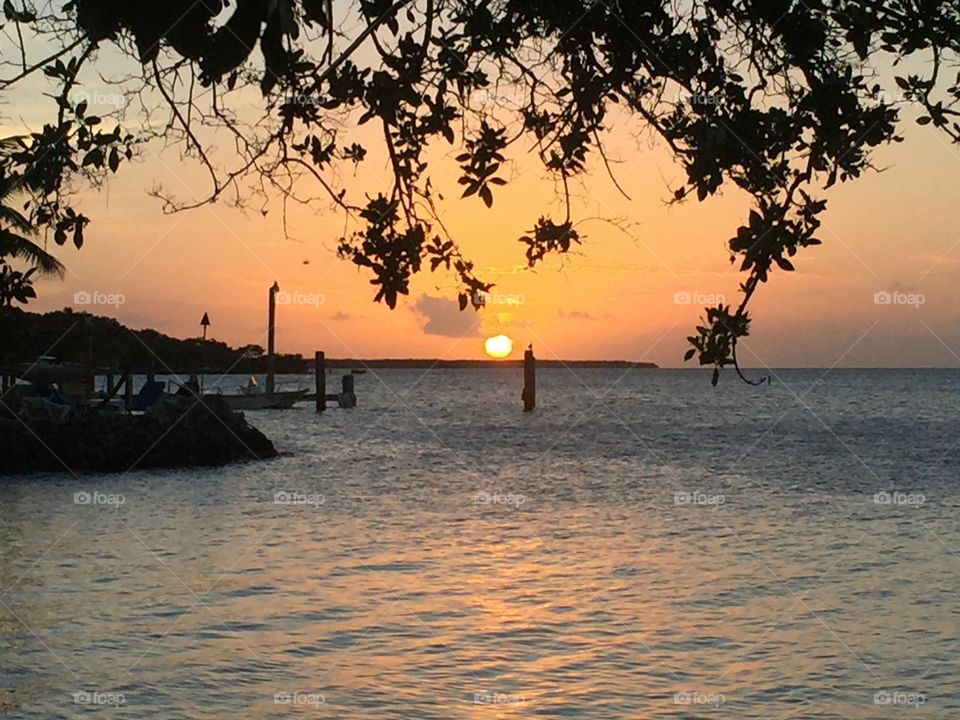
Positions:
{"x": 582, "y": 315}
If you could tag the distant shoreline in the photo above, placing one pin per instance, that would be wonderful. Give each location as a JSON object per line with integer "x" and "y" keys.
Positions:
{"x": 428, "y": 364}
{"x": 107, "y": 344}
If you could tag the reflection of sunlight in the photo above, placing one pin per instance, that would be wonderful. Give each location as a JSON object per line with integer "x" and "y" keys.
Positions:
{"x": 528, "y": 642}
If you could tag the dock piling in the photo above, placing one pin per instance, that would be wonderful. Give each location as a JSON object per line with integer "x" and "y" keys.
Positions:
{"x": 529, "y": 394}
{"x": 348, "y": 395}
{"x": 271, "y": 337}
{"x": 320, "y": 368}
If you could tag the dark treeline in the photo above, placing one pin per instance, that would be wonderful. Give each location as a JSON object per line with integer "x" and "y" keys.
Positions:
{"x": 105, "y": 343}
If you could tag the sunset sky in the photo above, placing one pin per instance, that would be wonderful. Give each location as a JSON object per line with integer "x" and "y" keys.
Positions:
{"x": 619, "y": 297}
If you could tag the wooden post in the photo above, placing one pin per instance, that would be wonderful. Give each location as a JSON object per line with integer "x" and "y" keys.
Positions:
{"x": 91, "y": 381}
{"x": 271, "y": 337}
{"x": 348, "y": 397}
{"x": 320, "y": 368}
{"x": 529, "y": 394}
{"x": 128, "y": 390}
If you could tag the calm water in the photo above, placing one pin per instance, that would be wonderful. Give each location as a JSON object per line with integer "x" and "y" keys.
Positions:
{"x": 644, "y": 546}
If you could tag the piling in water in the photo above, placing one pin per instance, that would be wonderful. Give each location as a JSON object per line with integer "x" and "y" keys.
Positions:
{"x": 348, "y": 396}
{"x": 271, "y": 337}
{"x": 320, "y": 369}
{"x": 529, "y": 394}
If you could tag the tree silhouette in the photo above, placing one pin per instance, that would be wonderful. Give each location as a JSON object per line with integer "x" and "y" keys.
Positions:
{"x": 15, "y": 285}
{"x": 14, "y": 228}
{"x": 779, "y": 98}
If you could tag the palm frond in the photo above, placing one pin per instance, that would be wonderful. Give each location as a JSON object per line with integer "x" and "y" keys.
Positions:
{"x": 13, "y": 245}
{"x": 13, "y": 218}
{"x": 14, "y": 226}
{"x": 12, "y": 142}
{"x": 9, "y": 186}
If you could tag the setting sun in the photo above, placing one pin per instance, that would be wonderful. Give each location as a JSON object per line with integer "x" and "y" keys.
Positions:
{"x": 499, "y": 346}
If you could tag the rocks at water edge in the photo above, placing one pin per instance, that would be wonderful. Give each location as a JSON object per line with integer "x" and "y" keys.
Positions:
{"x": 181, "y": 432}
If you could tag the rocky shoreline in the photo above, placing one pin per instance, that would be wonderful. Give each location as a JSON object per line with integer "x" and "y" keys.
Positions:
{"x": 182, "y": 432}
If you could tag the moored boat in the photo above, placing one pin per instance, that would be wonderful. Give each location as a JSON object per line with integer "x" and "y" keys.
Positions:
{"x": 253, "y": 397}
{"x": 281, "y": 400}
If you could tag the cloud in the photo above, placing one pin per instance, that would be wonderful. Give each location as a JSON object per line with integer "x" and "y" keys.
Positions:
{"x": 443, "y": 317}
{"x": 581, "y": 315}
{"x": 339, "y": 315}
{"x": 505, "y": 269}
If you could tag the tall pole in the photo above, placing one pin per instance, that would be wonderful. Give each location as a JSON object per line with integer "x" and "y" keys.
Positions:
{"x": 204, "y": 323}
{"x": 271, "y": 333}
{"x": 320, "y": 368}
{"x": 529, "y": 394}
{"x": 91, "y": 382}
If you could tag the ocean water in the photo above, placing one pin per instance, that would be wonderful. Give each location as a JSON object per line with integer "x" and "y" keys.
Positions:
{"x": 643, "y": 546}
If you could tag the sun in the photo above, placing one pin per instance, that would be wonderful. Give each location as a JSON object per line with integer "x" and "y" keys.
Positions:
{"x": 499, "y": 346}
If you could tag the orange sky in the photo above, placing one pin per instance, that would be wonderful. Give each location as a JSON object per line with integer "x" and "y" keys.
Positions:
{"x": 615, "y": 299}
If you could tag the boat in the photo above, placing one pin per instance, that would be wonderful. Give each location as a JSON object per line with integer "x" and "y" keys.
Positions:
{"x": 253, "y": 397}
{"x": 282, "y": 400}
